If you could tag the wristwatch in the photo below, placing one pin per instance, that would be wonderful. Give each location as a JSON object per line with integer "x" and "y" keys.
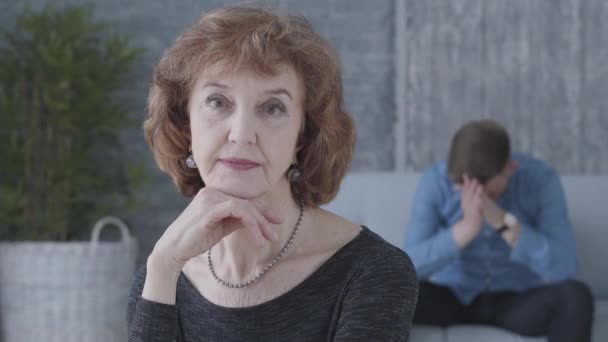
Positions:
{"x": 509, "y": 220}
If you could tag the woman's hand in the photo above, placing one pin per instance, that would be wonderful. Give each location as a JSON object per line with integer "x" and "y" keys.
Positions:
{"x": 209, "y": 217}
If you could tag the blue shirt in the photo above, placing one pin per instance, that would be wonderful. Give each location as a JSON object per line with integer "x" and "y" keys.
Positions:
{"x": 544, "y": 253}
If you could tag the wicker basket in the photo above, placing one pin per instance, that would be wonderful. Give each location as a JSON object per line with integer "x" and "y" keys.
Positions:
{"x": 66, "y": 291}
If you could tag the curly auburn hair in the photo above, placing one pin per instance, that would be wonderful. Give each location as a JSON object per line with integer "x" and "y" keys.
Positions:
{"x": 257, "y": 39}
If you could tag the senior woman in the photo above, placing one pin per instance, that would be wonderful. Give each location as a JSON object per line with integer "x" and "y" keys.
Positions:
{"x": 246, "y": 115}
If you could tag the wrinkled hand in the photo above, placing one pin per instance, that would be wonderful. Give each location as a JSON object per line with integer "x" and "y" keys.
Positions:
{"x": 210, "y": 216}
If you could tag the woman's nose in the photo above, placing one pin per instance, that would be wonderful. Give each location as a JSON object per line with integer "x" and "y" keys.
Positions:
{"x": 242, "y": 127}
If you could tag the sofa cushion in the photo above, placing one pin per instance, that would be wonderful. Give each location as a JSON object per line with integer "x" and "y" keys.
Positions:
{"x": 600, "y": 321}
{"x": 379, "y": 200}
{"x": 423, "y": 333}
{"x": 588, "y": 207}
{"x": 480, "y": 333}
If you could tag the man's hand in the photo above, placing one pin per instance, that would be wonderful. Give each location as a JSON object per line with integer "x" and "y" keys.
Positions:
{"x": 471, "y": 201}
{"x": 493, "y": 214}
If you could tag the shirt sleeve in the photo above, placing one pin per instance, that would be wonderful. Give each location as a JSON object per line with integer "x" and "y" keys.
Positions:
{"x": 548, "y": 247}
{"x": 429, "y": 242}
{"x": 149, "y": 321}
{"x": 380, "y": 301}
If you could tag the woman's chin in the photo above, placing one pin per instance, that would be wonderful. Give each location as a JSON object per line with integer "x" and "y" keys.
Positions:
{"x": 239, "y": 188}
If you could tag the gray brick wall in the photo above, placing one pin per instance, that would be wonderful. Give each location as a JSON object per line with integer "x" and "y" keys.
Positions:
{"x": 414, "y": 71}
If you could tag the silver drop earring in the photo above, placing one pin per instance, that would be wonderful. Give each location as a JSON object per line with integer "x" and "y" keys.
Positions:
{"x": 293, "y": 174}
{"x": 190, "y": 160}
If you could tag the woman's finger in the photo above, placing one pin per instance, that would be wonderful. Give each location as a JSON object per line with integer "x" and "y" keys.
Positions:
{"x": 263, "y": 226}
{"x": 271, "y": 217}
{"x": 231, "y": 209}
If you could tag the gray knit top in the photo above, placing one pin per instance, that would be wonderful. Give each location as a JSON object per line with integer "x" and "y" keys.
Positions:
{"x": 366, "y": 291}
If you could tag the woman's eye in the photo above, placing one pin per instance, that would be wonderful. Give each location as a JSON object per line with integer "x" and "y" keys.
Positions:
{"x": 215, "y": 102}
{"x": 275, "y": 109}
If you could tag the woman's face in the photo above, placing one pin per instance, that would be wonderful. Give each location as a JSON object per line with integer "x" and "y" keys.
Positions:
{"x": 245, "y": 128}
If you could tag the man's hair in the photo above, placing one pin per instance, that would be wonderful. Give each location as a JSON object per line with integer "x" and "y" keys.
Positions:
{"x": 480, "y": 149}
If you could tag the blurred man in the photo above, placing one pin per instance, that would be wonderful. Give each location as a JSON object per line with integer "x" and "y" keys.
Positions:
{"x": 492, "y": 242}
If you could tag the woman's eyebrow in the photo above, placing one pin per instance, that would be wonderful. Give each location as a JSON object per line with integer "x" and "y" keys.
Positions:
{"x": 280, "y": 91}
{"x": 214, "y": 85}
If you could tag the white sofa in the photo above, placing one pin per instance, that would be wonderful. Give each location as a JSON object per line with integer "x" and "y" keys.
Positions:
{"x": 382, "y": 201}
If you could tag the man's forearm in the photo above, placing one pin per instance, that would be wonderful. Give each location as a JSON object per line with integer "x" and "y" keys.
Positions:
{"x": 511, "y": 235}
{"x": 494, "y": 215}
{"x": 463, "y": 233}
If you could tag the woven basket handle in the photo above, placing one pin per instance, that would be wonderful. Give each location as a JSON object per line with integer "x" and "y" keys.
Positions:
{"x": 110, "y": 220}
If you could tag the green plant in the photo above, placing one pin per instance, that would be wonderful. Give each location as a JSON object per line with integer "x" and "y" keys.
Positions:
{"x": 60, "y": 120}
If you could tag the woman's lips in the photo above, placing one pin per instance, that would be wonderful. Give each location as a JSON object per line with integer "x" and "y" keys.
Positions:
{"x": 239, "y": 164}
